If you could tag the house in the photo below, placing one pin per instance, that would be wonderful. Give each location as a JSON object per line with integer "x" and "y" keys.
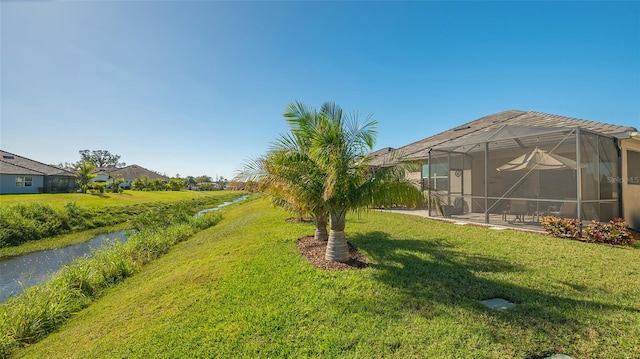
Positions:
{"x": 128, "y": 174}
{"x": 22, "y": 175}
{"x": 515, "y": 166}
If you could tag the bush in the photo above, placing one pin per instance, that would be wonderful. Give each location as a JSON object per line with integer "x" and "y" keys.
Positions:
{"x": 29, "y": 221}
{"x": 614, "y": 232}
{"x": 562, "y": 227}
{"x": 206, "y": 220}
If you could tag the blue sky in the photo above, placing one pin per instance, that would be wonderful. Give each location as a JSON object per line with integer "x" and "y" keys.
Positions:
{"x": 198, "y": 87}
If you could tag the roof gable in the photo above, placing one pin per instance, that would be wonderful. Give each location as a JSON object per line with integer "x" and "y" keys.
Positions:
{"x": 132, "y": 172}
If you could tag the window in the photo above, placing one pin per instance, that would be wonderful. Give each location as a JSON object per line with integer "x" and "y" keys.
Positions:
{"x": 439, "y": 176}
{"x": 633, "y": 167}
{"x": 24, "y": 181}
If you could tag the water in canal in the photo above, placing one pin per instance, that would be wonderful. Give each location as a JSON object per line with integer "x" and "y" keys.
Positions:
{"x": 29, "y": 269}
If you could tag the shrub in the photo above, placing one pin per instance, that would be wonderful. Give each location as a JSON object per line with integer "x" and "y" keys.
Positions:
{"x": 615, "y": 231}
{"x": 562, "y": 227}
{"x": 29, "y": 221}
{"x": 206, "y": 220}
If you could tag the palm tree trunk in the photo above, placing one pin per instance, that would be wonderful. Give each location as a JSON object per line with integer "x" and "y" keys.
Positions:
{"x": 321, "y": 228}
{"x": 337, "y": 248}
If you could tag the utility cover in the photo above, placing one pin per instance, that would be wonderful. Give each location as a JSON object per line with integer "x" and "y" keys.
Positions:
{"x": 498, "y": 304}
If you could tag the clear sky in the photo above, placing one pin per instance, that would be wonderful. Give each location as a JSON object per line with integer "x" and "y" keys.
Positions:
{"x": 198, "y": 87}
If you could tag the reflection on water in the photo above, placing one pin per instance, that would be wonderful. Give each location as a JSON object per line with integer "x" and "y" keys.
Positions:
{"x": 30, "y": 269}
{"x": 222, "y": 205}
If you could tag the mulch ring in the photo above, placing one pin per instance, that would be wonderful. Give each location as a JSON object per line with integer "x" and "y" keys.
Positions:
{"x": 298, "y": 220}
{"x": 314, "y": 250}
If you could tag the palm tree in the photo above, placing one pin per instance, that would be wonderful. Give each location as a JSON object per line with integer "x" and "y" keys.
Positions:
{"x": 84, "y": 174}
{"x": 288, "y": 174}
{"x": 339, "y": 146}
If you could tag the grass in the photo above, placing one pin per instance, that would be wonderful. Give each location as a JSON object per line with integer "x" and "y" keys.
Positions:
{"x": 58, "y": 200}
{"x": 241, "y": 289}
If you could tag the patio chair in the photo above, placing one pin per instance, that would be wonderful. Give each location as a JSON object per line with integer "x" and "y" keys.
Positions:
{"x": 567, "y": 210}
{"x": 518, "y": 208}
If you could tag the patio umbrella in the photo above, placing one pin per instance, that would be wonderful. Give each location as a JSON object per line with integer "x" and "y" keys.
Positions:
{"x": 538, "y": 160}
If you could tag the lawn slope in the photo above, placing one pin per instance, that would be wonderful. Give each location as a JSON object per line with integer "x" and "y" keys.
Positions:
{"x": 241, "y": 289}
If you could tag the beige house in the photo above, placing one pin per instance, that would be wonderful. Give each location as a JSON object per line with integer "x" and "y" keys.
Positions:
{"x": 128, "y": 174}
{"x": 513, "y": 167}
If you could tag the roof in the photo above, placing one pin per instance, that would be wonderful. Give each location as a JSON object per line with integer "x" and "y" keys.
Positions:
{"x": 132, "y": 172}
{"x": 17, "y": 165}
{"x": 488, "y": 126}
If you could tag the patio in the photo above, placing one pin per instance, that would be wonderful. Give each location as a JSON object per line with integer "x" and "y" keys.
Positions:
{"x": 495, "y": 221}
{"x": 513, "y": 175}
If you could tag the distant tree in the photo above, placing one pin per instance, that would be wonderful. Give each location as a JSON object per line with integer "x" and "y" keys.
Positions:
{"x": 84, "y": 175}
{"x": 176, "y": 184}
{"x": 190, "y": 181}
{"x": 64, "y": 166}
{"x": 158, "y": 185}
{"x": 116, "y": 180}
{"x": 203, "y": 179}
{"x": 205, "y": 186}
{"x": 222, "y": 182}
{"x": 141, "y": 184}
{"x": 101, "y": 158}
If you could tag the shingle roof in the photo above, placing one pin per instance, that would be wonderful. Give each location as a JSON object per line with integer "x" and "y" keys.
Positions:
{"x": 419, "y": 149}
{"x": 132, "y": 172}
{"x": 13, "y": 164}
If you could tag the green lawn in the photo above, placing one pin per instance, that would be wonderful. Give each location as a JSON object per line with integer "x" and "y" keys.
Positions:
{"x": 106, "y": 199}
{"x": 242, "y": 289}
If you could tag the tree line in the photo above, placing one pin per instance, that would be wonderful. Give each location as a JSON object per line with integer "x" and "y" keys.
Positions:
{"x": 90, "y": 160}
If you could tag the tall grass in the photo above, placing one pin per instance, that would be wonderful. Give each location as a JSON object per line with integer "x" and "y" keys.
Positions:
{"x": 40, "y": 310}
{"x": 23, "y": 222}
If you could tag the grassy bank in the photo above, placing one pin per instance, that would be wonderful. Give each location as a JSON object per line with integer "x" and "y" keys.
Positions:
{"x": 59, "y": 200}
{"x": 41, "y": 309}
{"x": 31, "y": 221}
{"x": 242, "y": 289}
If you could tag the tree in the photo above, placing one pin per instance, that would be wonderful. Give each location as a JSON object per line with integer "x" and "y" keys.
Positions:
{"x": 221, "y": 181}
{"x": 203, "y": 179}
{"x": 288, "y": 174}
{"x": 141, "y": 183}
{"x": 190, "y": 181}
{"x": 158, "y": 185}
{"x": 116, "y": 180}
{"x": 339, "y": 146}
{"x": 176, "y": 184}
{"x": 101, "y": 158}
{"x": 84, "y": 175}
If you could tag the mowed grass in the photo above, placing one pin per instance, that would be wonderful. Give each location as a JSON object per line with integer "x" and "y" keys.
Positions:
{"x": 58, "y": 200}
{"x": 242, "y": 289}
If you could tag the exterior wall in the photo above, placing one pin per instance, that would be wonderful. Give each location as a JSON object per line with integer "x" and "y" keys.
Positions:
{"x": 414, "y": 177}
{"x": 630, "y": 192}
{"x": 8, "y": 184}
